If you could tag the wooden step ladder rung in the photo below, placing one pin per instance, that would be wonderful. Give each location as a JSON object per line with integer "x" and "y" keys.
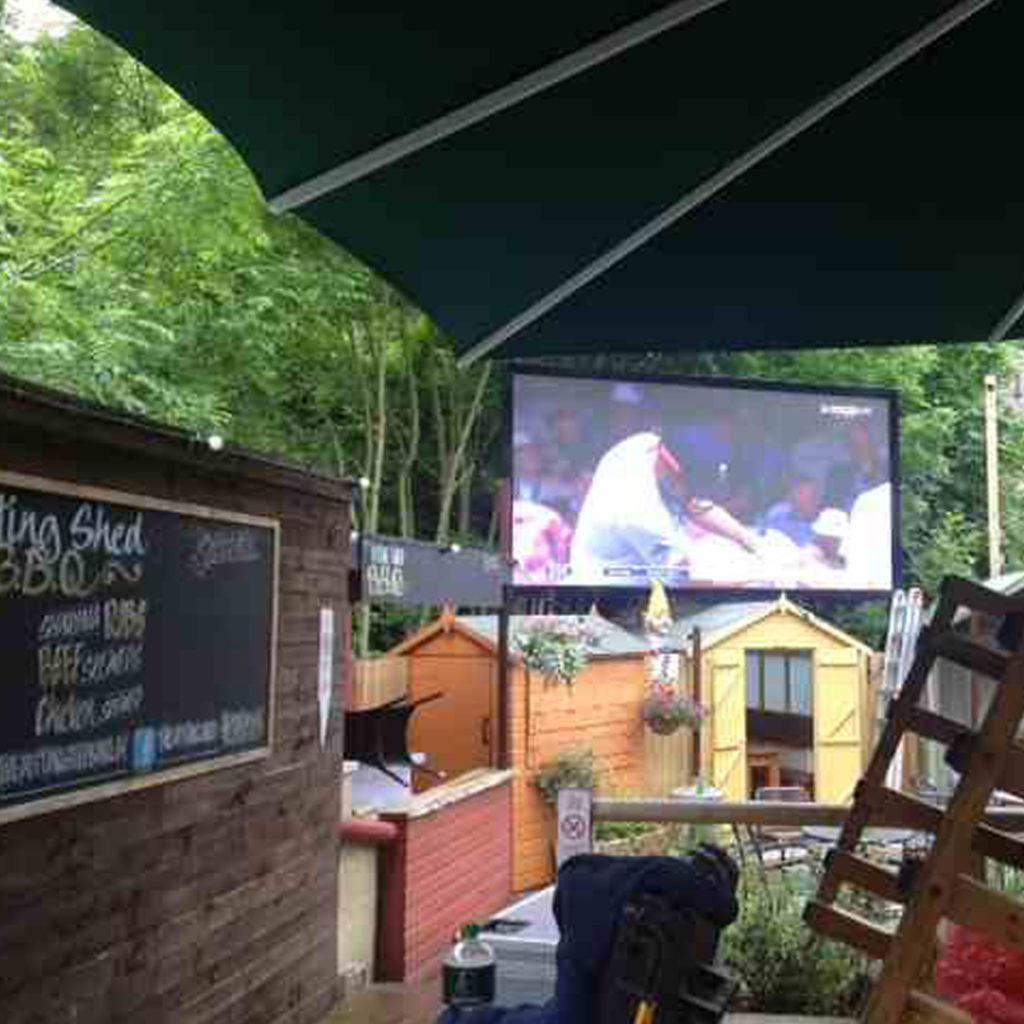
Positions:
{"x": 848, "y": 928}
{"x": 853, "y": 870}
{"x": 999, "y": 846}
{"x": 984, "y": 910}
{"x": 969, "y": 655}
{"x": 932, "y": 1010}
{"x": 901, "y": 811}
{"x": 904, "y": 811}
{"x": 944, "y": 730}
{"x": 935, "y": 886}
{"x": 935, "y": 727}
{"x": 958, "y": 592}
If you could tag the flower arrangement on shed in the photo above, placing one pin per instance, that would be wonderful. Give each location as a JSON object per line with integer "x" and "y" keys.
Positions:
{"x": 572, "y": 769}
{"x": 666, "y": 710}
{"x": 556, "y": 648}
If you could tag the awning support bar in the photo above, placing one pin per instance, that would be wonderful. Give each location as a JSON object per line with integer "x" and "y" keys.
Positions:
{"x": 1013, "y": 314}
{"x": 899, "y": 55}
{"x": 494, "y": 102}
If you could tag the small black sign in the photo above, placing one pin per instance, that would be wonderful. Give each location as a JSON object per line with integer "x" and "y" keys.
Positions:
{"x": 137, "y": 637}
{"x": 410, "y": 572}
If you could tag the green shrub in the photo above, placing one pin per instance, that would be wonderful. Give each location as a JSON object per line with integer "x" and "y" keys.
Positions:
{"x": 782, "y": 966}
{"x": 572, "y": 769}
{"x": 607, "y": 831}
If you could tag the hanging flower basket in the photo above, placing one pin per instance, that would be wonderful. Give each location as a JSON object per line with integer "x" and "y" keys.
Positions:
{"x": 665, "y": 710}
{"x": 555, "y": 648}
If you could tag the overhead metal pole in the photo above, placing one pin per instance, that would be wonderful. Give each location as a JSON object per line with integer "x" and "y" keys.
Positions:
{"x": 995, "y": 530}
{"x": 886, "y": 64}
{"x": 494, "y": 102}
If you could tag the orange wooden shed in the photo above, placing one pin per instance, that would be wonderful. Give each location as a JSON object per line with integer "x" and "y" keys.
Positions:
{"x": 457, "y": 656}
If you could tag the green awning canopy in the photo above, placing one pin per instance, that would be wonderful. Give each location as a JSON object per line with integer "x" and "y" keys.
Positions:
{"x": 896, "y": 218}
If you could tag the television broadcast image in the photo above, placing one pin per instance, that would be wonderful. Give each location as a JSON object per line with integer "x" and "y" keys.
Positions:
{"x": 617, "y": 483}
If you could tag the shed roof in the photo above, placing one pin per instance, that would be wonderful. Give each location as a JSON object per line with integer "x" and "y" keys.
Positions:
{"x": 611, "y": 640}
{"x": 717, "y": 618}
{"x": 720, "y": 622}
{"x": 58, "y": 413}
{"x": 716, "y": 624}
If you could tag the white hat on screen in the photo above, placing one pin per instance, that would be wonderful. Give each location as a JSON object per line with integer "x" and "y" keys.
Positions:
{"x": 831, "y": 522}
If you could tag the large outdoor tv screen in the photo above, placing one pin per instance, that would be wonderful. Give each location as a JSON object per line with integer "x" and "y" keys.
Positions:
{"x": 699, "y": 484}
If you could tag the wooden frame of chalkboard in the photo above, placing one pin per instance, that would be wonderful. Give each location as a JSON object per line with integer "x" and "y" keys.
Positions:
{"x": 73, "y": 585}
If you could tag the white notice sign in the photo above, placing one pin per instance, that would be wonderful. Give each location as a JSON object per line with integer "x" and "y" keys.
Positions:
{"x": 325, "y": 687}
{"x": 573, "y": 823}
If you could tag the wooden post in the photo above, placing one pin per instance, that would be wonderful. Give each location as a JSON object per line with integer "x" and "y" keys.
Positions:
{"x": 697, "y": 655}
{"x": 504, "y": 685}
{"x": 995, "y": 539}
{"x": 504, "y": 498}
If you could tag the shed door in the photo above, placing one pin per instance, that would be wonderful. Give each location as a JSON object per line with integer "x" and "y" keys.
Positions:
{"x": 838, "y": 725}
{"x": 454, "y": 732}
{"x": 728, "y": 725}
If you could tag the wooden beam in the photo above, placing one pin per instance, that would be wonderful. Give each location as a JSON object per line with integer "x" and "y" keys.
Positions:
{"x": 970, "y": 655}
{"x": 931, "y": 897}
{"x": 890, "y": 809}
{"x": 931, "y": 1010}
{"x": 849, "y": 929}
{"x": 853, "y": 870}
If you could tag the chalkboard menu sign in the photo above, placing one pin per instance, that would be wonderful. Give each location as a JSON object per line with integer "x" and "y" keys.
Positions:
{"x": 136, "y": 641}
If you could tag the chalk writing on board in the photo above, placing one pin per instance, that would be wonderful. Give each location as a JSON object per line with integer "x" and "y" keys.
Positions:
{"x": 29, "y": 573}
{"x": 40, "y": 556}
{"x": 125, "y": 648}
{"x": 215, "y": 547}
{"x": 92, "y": 528}
{"x": 246, "y": 725}
{"x": 189, "y": 736}
{"x": 71, "y": 623}
{"x": 49, "y": 764}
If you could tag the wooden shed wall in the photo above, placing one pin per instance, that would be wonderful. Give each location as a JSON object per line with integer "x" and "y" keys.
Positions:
{"x": 206, "y": 901}
{"x": 601, "y": 712}
{"x": 456, "y": 732}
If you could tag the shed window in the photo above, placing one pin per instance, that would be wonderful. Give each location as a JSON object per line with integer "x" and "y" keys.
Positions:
{"x": 780, "y": 681}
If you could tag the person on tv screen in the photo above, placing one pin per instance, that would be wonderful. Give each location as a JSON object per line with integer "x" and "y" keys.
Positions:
{"x": 795, "y": 516}
{"x": 640, "y": 515}
{"x": 540, "y": 543}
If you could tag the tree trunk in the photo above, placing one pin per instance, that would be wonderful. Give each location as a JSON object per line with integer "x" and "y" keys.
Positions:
{"x": 466, "y": 500}
{"x": 376, "y": 416}
{"x": 453, "y": 445}
{"x": 406, "y": 500}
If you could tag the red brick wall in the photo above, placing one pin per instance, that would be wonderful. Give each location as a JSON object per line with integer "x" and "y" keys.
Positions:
{"x": 448, "y": 868}
{"x": 211, "y": 900}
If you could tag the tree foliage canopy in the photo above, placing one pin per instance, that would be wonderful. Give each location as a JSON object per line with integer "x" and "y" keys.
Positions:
{"x": 139, "y": 266}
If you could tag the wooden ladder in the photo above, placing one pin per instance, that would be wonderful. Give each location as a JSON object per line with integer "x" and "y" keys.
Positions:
{"x": 940, "y": 886}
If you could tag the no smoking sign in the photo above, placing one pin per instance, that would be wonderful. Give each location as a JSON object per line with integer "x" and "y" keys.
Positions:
{"x": 573, "y": 823}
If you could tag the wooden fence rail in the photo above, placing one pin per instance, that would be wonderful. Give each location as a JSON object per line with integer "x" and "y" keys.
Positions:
{"x": 770, "y": 812}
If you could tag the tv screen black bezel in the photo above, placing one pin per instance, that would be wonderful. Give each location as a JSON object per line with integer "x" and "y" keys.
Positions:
{"x": 575, "y": 593}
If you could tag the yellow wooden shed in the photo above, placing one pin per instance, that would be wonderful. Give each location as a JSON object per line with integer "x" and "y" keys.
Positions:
{"x": 790, "y": 699}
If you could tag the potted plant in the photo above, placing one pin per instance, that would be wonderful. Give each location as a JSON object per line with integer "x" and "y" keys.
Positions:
{"x": 557, "y": 649}
{"x": 572, "y": 769}
{"x": 665, "y": 710}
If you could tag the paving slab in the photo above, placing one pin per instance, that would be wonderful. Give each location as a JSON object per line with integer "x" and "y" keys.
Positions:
{"x": 401, "y": 1004}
